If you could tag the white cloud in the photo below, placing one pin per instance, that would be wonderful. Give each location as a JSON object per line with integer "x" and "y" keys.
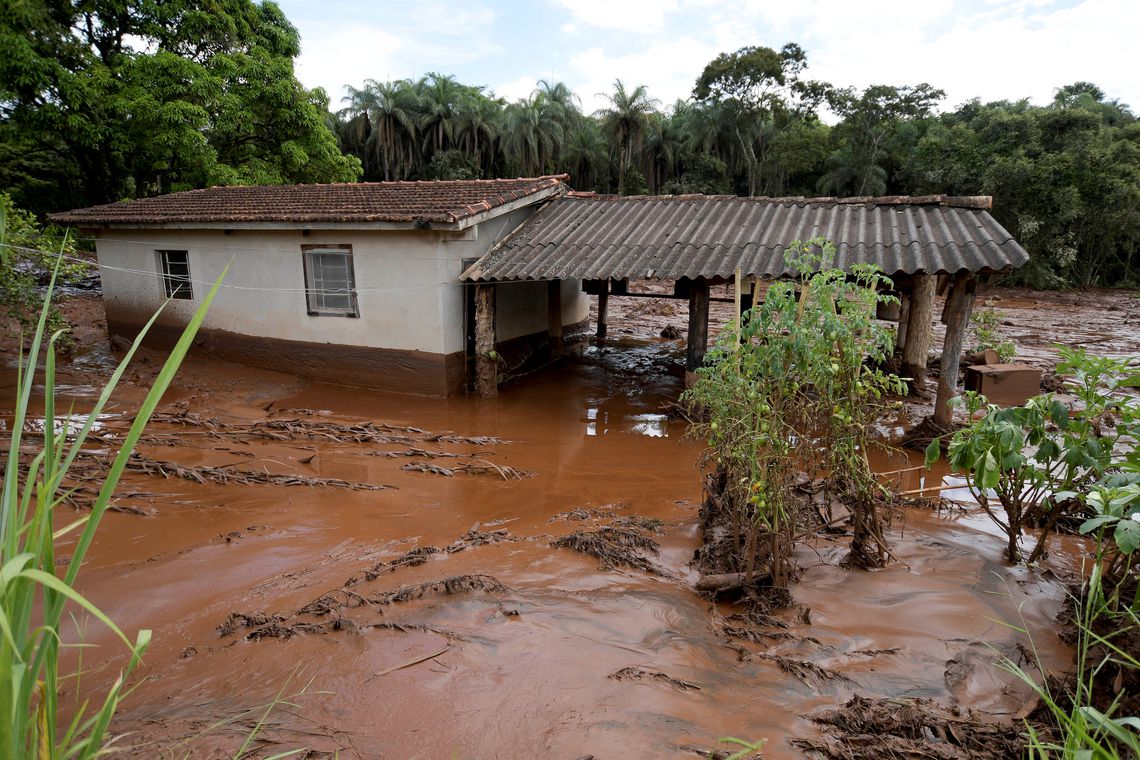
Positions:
{"x": 519, "y": 89}
{"x": 640, "y": 16}
{"x": 667, "y": 68}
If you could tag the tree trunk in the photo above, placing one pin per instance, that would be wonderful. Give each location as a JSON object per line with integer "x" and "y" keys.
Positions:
{"x": 919, "y": 330}
{"x": 487, "y": 360}
{"x": 958, "y": 306}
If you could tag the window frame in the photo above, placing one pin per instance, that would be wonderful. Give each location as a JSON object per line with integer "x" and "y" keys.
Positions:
{"x": 174, "y": 286}
{"x": 311, "y": 289}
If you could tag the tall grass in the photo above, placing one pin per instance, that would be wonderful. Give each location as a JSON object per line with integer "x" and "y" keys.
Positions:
{"x": 35, "y": 593}
{"x": 1083, "y": 731}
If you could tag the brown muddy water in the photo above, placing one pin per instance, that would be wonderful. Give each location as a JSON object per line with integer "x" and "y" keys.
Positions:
{"x": 526, "y": 668}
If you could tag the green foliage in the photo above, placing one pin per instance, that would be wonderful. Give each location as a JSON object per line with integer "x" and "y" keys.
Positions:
{"x": 25, "y": 260}
{"x": 1065, "y": 180}
{"x": 35, "y": 589}
{"x": 1084, "y": 730}
{"x": 139, "y": 98}
{"x": 986, "y": 324}
{"x": 1040, "y": 463}
{"x": 453, "y": 164}
{"x": 789, "y": 389}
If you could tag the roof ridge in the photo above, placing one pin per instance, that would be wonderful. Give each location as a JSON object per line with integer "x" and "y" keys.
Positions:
{"x": 984, "y": 202}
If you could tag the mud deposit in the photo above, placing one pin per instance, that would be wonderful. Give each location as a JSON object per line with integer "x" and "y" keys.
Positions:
{"x": 416, "y": 576}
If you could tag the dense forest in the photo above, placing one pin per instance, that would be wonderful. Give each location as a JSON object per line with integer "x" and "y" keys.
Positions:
{"x": 101, "y": 103}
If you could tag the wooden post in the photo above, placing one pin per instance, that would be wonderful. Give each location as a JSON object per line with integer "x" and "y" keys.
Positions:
{"x": 554, "y": 316}
{"x": 904, "y": 315}
{"x": 698, "y": 338}
{"x": 486, "y": 358}
{"x": 919, "y": 330}
{"x": 603, "y": 304}
{"x": 959, "y": 304}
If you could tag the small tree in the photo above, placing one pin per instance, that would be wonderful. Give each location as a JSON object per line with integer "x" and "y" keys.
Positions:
{"x": 787, "y": 390}
{"x": 1036, "y": 464}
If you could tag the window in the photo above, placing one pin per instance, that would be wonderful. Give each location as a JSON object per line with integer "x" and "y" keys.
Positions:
{"x": 330, "y": 287}
{"x": 175, "y": 268}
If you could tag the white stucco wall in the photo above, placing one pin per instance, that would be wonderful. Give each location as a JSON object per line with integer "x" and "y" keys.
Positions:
{"x": 409, "y": 293}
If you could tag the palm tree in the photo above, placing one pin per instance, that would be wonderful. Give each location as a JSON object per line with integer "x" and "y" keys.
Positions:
{"x": 529, "y": 141}
{"x": 584, "y": 155}
{"x": 439, "y": 105}
{"x": 389, "y": 109}
{"x": 625, "y": 121}
{"x": 478, "y": 122}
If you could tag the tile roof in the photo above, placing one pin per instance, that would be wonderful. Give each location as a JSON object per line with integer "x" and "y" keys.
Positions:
{"x": 597, "y": 237}
{"x": 435, "y": 202}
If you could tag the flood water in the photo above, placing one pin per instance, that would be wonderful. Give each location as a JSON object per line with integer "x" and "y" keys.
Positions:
{"x": 524, "y": 671}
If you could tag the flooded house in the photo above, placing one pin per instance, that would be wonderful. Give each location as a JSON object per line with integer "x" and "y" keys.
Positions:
{"x": 354, "y": 283}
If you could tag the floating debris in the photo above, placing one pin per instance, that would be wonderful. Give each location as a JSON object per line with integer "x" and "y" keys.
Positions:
{"x": 635, "y": 673}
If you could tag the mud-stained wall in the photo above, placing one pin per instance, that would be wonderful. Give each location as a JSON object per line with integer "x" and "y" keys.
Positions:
{"x": 409, "y": 295}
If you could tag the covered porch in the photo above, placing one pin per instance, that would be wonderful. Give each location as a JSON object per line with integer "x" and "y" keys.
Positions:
{"x": 928, "y": 246}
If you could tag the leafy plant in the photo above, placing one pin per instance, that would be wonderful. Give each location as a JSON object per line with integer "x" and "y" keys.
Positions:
{"x": 986, "y": 324}
{"x": 33, "y": 595}
{"x": 1036, "y": 464}
{"x": 788, "y": 389}
{"x": 25, "y": 258}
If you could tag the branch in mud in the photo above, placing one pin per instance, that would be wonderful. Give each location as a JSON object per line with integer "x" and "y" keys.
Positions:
{"x": 616, "y": 547}
{"x": 473, "y": 467}
{"x": 865, "y": 729}
{"x": 203, "y": 474}
{"x": 310, "y": 430}
{"x": 635, "y": 673}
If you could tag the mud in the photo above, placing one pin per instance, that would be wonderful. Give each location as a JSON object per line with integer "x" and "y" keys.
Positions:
{"x": 517, "y": 662}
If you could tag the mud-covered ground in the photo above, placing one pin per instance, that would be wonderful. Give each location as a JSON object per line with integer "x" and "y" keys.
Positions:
{"x": 406, "y": 572}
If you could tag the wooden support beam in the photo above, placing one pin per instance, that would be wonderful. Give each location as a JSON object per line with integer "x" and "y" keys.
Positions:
{"x": 486, "y": 358}
{"x": 554, "y": 316}
{"x": 919, "y": 329}
{"x": 698, "y": 338}
{"x": 603, "y": 305}
{"x": 959, "y": 304}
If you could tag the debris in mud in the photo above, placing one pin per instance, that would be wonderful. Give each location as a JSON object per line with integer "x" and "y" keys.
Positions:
{"x": 473, "y": 467}
{"x": 417, "y": 556}
{"x": 581, "y": 514}
{"x": 926, "y": 431}
{"x": 865, "y": 729}
{"x": 635, "y": 673}
{"x": 670, "y": 332}
{"x": 311, "y": 430}
{"x": 806, "y": 672}
{"x": 616, "y": 547}
{"x": 476, "y": 537}
{"x": 204, "y": 473}
{"x": 456, "y": 584}
{"x": 418, "y": 452}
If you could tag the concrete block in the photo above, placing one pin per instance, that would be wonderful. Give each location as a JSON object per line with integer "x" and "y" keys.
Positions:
{"x": 1005, "y": 384}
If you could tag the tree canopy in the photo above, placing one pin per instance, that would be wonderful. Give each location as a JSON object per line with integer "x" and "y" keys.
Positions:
{"x": 109, "y": 99}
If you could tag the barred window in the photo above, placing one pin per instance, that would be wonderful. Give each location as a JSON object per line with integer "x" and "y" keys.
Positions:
{"x": 330, "y": 286}
{"x": 175, "y": 272}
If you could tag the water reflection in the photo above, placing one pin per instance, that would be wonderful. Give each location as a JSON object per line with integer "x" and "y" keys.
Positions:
{"x": 653, "y": 425}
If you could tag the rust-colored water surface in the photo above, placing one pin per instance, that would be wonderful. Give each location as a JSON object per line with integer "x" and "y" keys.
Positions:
{"x": 435, "y": 617}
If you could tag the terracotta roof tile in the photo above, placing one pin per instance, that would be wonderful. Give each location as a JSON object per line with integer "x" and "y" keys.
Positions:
{"x": 437, "y": 202}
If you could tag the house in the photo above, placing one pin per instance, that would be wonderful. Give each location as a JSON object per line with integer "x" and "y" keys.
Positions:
{"x": 355, "y": 283}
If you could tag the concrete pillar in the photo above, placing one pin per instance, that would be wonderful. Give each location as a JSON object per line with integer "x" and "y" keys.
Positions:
{"x": 554, "y": 316}
{"x": 603, "y": 304}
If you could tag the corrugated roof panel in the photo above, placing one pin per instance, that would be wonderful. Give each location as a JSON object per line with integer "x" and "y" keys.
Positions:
{"x": 597, "y": 237}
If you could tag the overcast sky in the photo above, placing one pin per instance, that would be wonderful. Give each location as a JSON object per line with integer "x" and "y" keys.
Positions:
{"x": 992, "y": 49}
